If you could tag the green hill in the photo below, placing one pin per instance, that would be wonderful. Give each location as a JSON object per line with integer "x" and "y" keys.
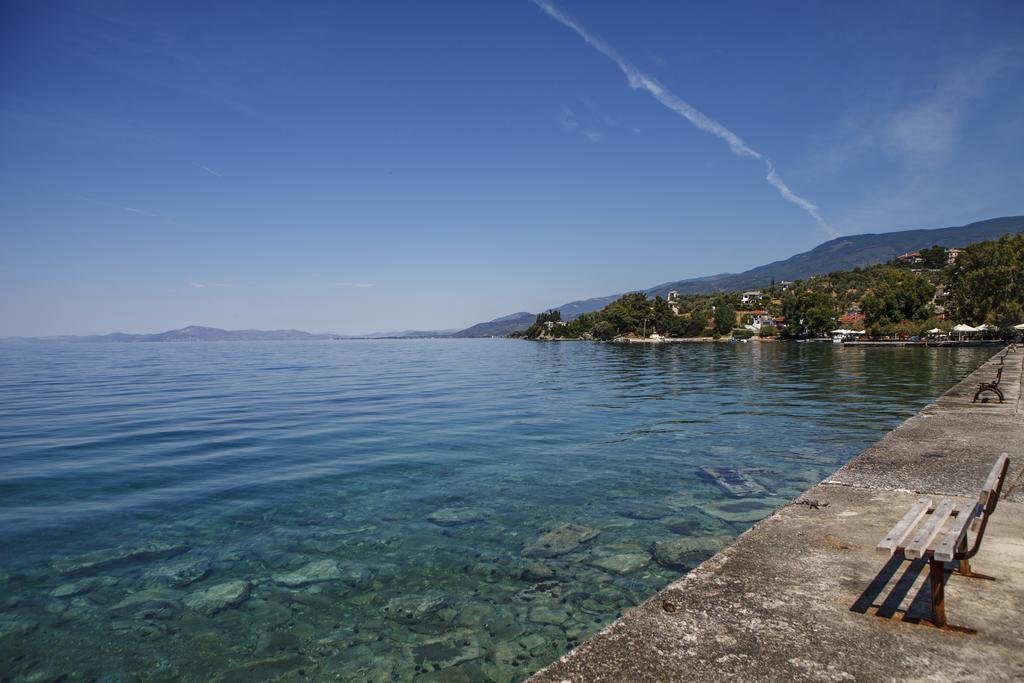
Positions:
{"x": 843, "y": 253}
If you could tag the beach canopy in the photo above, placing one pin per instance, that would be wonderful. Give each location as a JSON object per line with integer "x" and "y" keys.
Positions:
{"x": 1019, "y": 327}
{"x": 842, "y": 331}
{"x": 934, "y": 330}
{"x": 966, "y": 328}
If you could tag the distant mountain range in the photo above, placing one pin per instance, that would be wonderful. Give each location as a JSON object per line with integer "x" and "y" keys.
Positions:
{"x": 405, "y": 334}
{"x": 499, "y": 327}
{"x": 842, "y": 253}
{"x": 196, "y": 333}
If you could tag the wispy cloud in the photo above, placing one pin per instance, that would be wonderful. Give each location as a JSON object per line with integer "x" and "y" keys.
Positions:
{"x": 358, "y": 285}
{"x": 927, "y": 129}
{"x": 208, "y": 285}
{"x": 207, "y": 169}
{"x": 128, "y": 209}
{"x": 916, "y": 129}
{"x": 129, "y": 48}
{"x": 638, "y": 80}
{"x": 567, "y": 119}
{"x": 569, "y": 122}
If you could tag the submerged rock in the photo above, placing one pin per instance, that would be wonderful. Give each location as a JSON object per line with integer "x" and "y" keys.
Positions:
{"x": 56, "y": 607}
{"x": 736, "y": 481}
{"x": 455, "y": 674}
{"x": 644, "y": 511}
{"x": 268, "y": 612}
{"x": 538, "y": 571}
{"x": 314, "y": 572}
{"x": 116, "y": 677}
{"x": 499, "y": 673}
{"x": 278, "y": 641}
{"x": 179, "y": 574}
{"x": 541, "y": 643}
{"x": 489, "y": 571}
{"x": 547, "y": 614}
{"x": 680, "y": 500}
{"x": 623, "y": 563}
{"x": 264, "y": 669}
{"x": 117, "y": 557}
{"x": 456, "y": 516}
{"x": 412, "y": 609}
{"x": 81, "y": 586}
{"x": 745, "y": 510}
{"x": 219, "y": 597}
{"x": 154, "y": 603}
{"x": 683, "y": 553}
{"x": 561, "y": 540}
{"x": 446, "y": 651}
{"x": 544, "y": 591}
{"x": 475, "y": 615}
{"x": 684, "y": 526}
{"x": 16, "y": 626}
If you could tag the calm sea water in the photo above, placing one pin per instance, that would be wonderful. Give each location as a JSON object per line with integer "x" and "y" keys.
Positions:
{"x": 391, "y": 510}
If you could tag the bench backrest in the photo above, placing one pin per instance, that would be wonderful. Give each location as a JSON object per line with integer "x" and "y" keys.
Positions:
{"x": 994, "y": 482}
{"x": 989, "y": 498}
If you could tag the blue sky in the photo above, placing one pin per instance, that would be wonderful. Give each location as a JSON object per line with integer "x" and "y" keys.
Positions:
{"x": 357, "y": 167}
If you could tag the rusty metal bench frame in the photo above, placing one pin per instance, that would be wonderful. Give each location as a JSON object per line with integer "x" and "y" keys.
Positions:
{"x": 991, "y": 386}
{"x": 913, "y": 536}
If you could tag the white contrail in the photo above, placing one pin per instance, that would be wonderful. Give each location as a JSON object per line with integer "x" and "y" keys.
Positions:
{"x": 638, "y": 80}
{"x": 207, "y": 169}
{"x": 127, "y": 209}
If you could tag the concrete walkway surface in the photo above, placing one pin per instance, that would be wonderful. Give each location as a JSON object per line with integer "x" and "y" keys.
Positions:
{"x": 804, "y": 595}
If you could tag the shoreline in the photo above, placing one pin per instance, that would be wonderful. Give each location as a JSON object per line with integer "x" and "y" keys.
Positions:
{"x": 895, "y": 343}
{"x": 791, "y": 598}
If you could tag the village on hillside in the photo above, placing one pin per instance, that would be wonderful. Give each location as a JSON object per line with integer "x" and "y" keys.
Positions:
{"x": 936, "y": 294}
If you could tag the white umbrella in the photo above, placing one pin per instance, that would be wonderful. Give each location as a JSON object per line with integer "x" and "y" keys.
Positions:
{"x": 934, "y": 330}
{"x": 1019, "y": 327}
{"x": 965, "y": 328}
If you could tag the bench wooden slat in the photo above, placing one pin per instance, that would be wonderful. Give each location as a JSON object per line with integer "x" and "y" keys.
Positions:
{"x": 894, "y": 539}
{"x": 947, "y": 547}
{"x": 927, "y": 532}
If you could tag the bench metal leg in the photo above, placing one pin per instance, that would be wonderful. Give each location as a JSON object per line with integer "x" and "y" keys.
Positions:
{"x": 965, "y": 564}
{"x": 968, "y": 573}
{"x": 937, "y": 578}
{"x": 965, "y": 570}
{"x": 995, "y": 390}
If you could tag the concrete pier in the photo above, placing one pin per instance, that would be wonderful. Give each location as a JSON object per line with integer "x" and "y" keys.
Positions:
{"x": 804, "y": 596}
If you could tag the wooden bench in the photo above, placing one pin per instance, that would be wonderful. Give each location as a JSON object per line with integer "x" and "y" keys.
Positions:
{"x": 1006, "y": 352}
{"x": 920, "y": 534}
{"x": 991, "y": 386}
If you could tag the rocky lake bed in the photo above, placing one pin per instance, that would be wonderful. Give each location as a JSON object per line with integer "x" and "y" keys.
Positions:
{"x": 332, "y": 608}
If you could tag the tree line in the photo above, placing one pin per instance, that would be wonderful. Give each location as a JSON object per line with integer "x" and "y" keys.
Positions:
{"x": 985, "y": 285}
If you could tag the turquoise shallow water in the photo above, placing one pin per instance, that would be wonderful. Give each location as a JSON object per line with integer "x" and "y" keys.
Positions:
{"x": 395, "y": 510}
